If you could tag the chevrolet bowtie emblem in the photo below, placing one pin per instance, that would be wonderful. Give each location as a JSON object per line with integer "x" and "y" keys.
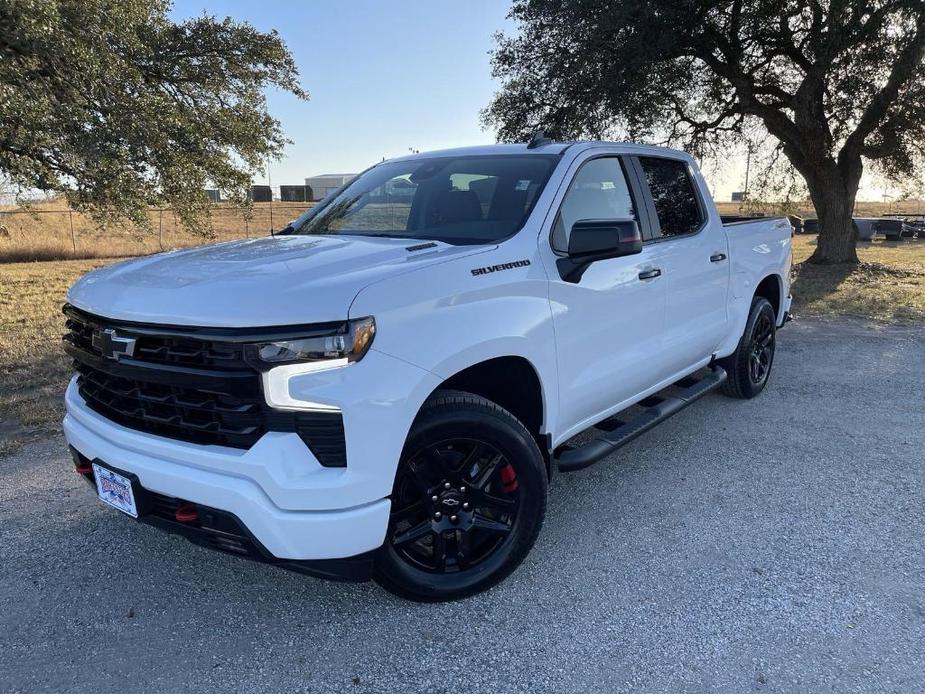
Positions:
{"x": 111, "y": 345}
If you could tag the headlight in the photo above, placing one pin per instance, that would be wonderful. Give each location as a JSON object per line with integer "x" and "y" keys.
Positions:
{"x": 348, "y": 342}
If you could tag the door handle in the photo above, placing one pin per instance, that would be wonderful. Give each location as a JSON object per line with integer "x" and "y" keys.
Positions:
{"x": 650, "y": 274}
{"x": 717, "y": 257}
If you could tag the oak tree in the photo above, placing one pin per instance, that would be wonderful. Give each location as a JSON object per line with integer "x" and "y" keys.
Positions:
{"x": 837, "y": 83}
{"x": 115, "y": 106}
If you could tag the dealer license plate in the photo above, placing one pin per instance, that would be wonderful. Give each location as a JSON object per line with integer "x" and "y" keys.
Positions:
{"x": 115, "y": 490}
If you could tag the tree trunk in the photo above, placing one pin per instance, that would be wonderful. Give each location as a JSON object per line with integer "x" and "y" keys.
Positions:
{"x": 833, "y": 194}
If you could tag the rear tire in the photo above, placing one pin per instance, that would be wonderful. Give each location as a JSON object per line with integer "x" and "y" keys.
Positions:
{"x": 749, "y": 367}
{"x": 467, "y": 503}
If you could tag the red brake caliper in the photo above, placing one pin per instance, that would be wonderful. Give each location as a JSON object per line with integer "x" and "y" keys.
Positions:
{"x": 508, "y": 479}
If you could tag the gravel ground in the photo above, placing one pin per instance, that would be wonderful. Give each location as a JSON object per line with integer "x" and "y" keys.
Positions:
{"x": 770, "y": 545}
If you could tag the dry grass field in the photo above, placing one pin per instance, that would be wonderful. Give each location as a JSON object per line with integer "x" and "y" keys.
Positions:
{"x": 49, "y": 231}
{"x": 862, "y": 209}
{"x": 33, "y": 367}
{"x": 889, "y": 285}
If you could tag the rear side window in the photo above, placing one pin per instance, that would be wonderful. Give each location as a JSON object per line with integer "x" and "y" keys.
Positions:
{"x": 674, "y": 195}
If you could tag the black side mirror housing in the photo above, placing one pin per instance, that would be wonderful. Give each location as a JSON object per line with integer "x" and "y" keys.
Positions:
{"x": 598, "y": 239}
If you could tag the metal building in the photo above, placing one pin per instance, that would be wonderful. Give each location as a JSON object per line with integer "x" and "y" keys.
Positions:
{"x": 325, "y": 184}
{"x": 295, "y": 193}
{"x": 260, "y": 194}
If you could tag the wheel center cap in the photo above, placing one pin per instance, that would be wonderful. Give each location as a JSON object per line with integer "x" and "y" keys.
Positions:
{"x": 451, "y": 502}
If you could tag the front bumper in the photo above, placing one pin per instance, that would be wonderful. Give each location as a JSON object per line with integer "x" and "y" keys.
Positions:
{"x": 223, "y": 531}
{"x": 260, "y": 487}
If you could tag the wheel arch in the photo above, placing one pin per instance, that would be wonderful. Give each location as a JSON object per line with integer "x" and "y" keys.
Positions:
{"x": 771, "y": 287}
{"x": 511, "y": 381}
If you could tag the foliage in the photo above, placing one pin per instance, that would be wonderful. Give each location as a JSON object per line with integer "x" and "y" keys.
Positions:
{"x": 835, "y": 82}
{"x": 117, "y": 107}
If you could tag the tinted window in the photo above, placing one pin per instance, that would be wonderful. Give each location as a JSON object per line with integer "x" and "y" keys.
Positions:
{"x": 455, "y": 199}
{"x": 673, "y": 194}
{"x": 598, "y": 191}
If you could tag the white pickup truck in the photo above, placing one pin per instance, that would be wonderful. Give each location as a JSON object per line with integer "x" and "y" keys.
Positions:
{"x": 384, "y": 389}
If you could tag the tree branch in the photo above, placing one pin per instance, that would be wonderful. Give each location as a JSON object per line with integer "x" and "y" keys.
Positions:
{"x": 904, "y": 68}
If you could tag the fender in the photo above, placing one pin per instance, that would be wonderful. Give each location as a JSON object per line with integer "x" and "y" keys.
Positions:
{"x": 739, "y": 308}
{"x": 444, "y": 319}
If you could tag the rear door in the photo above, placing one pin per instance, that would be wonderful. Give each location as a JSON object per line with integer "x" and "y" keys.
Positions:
{"x": 696, "y": 261}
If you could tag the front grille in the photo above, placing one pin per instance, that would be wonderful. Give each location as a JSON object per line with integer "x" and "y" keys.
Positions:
{"x": 173, "y": 411}
{"x": 195, "y": 389}
{"x": 176, "y": 350}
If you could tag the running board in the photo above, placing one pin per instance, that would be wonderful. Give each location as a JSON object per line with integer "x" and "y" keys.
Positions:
{"x": 618, "y": 433}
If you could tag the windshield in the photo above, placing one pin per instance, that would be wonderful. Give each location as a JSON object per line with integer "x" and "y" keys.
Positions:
{"x": 458, "y": 200}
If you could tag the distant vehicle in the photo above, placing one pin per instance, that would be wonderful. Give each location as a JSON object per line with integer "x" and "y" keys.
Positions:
{"x": 866, "y": 228}
{"x": 796, "y": 223}
{"x": 869, "y": 227}
{"x": 918, "y": 224}
{"x": 892, "y": 229}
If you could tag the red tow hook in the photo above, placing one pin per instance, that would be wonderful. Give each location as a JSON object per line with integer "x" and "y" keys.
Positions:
{"x": 84, "y": 469}
{"x": 186, "y": 513}
{"x": 508, "y": 479}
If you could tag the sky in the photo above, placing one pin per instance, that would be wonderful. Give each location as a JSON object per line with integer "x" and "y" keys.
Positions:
{"x": 383, "y": 76}
{"x": 386, "y": 77}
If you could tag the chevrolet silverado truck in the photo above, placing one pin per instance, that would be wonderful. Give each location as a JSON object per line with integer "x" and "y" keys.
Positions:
{"x": 385, "y": 388}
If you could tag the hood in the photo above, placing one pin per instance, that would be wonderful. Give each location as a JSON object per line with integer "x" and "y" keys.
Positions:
{"x": 282, "y": 280}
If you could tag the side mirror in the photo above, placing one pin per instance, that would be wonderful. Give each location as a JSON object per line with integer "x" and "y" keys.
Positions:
{"x": 598, "y": 239}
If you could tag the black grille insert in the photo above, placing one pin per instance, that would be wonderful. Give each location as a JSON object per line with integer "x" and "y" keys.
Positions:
{"x": 173, "y": 411}
{"x": 193, "y": 389}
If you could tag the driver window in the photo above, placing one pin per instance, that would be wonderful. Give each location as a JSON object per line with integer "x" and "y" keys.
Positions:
{"x": 598, "y": 191}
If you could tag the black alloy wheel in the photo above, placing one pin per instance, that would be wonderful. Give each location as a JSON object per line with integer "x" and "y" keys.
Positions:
{"x": 749, "y": 367}
{"x": 761, "y": 350}
{"x": 455, "y": 502}
{"x": 467, "y": 502}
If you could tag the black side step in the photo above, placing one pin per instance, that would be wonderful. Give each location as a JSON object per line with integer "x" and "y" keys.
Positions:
{"x": 657, "y": 410}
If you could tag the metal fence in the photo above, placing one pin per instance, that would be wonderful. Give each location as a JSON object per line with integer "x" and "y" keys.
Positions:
{"x": 49, "y": 231}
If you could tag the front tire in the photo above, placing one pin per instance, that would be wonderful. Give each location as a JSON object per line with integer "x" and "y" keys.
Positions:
{"x": 749, "y": 367}
{"x": 467, "y": 503}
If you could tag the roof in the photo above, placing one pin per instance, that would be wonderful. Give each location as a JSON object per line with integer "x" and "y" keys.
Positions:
{"x": 550, "y": 148}
{"x": 487, "y": 150}
{"x": 521, "y": 148}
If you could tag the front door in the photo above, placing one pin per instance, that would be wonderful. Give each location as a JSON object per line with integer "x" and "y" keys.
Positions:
{"x": 609, "y": 323}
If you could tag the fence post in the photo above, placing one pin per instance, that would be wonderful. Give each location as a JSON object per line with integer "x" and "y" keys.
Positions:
{"x": 70, "y": 216}
{"x": 160, "y": 228}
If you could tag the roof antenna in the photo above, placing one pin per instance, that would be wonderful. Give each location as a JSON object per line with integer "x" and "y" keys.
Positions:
{"x": 538, "y": 140}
